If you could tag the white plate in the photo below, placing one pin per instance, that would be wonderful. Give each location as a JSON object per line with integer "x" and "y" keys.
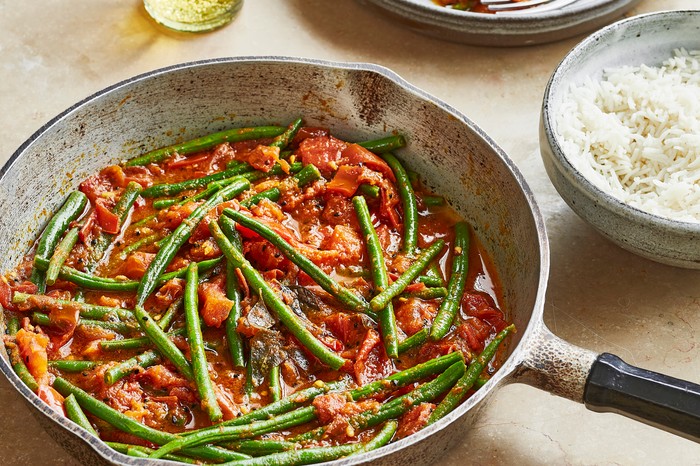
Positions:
{"x": 426, "y": 17}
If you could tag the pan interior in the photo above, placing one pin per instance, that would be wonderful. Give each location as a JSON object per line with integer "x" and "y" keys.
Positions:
{"x": 357, "y": 102}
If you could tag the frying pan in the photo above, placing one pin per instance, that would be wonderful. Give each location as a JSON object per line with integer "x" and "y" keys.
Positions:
{"x": 357, "y": 101}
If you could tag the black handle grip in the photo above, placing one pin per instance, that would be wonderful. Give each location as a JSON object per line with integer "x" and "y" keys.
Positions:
{"x": 665, "y": 402}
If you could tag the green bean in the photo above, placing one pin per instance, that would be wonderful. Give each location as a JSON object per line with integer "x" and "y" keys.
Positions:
{"x": 387, "y": 144}
{"x": 216, "y": 434}
{"x": 144, "y": 452}
{"x": 283, "y": 140}
{"x": 466, "y": 382}
{"x": 427, "y": 293}
{"x": 391, "y": 383}
{"x": 481, "y": 381}
{"x": 370, "y": 190}
{"x": 177, "y": 238}
{"x": 408, "y": 201}
{"x": 386, "y": 317}
{"x": 407, "y": 376}
{"x": 381, "y": 300}
{"x": 22, "y": 371}
{"x": 119, "y": 327}
{"x": 303, "y": 456}
{"x": 60, "y": 255}
{"x": 306, "y": 437}
{"x": 120, "y": 447}
{"x": 160, "y": 204}
{"x": 434, "y": 272}
{"x": 121, "y": 210}
{"x": 136, "y": 245}
{"x": 431, "y": 280}
{"x": 415, "y": 340}
{"x": 306, "y": 175}
{"x": 433, "y": 201}
{"x": 211, "y": 188}
{"x": 206, "y": 142}
{"x": 134, "y": 427}
{"x": 455, "y": 289}
{"x": 162, "y": 343}
{"x": 249, "y": 388}
{"x": 274, "y": 302}
{"x": 69, "y": 211}
{"x": 73, "y": 365}
{"x": 76, "y": 414}
{"x": 272, "y": 194}
{"x": 93, "y": 282}
{"x": 235, "y": 343}
{"x": 171, "y": 189}
{"x": 274, "y": 383}
{"x": 200, "y": 368}
{"x": 139, "y": 451}
{"x": 260, "y": 447}
{"x": 383, "y": 437}
{"x": 342, "y": 294}
{"x": 167, "y": 318}
{"x": 16, "y": 360}
{"x": 41, "y": 319}
{"x": 276, "y": 170}
{"x": 126, "y": 367}
{"x": 90, "y": 311}
{"x": 286, "y": 404}
{"x": 13, "y": 325}
{"x": 135, "y": 343}
{"x": 400, "y": 405}
{"x": 203, "y": 266}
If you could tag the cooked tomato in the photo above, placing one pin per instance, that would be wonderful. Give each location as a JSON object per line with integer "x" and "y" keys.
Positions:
{"x": 136, "y": 264}
{"x": 372, "y": 362}
{"x": 354, "y": 154}
{"x": 108, "y": 220}
{"x": 324, "y": 152}
{"x": 32, "y": 348}
{"x": 52, "y": 398}
{"x": 214, "y": 305}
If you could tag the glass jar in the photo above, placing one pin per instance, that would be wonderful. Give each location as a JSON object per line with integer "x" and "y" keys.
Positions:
{"x": 193, "y": 15}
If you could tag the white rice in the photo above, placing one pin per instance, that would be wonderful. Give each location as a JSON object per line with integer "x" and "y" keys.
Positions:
{"x": 636, "y": 135}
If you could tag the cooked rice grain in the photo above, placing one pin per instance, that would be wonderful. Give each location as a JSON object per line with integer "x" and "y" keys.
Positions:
{"x": 636, "y": 135}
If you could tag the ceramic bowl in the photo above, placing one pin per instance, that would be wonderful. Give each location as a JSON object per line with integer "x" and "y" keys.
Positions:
{"x": 426, "y": 17}
{"x": 648, "y": 39}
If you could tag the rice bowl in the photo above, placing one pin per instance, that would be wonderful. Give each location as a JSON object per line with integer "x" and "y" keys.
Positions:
{"x": 646, "y": 39}
{"x": 636, "y": 134}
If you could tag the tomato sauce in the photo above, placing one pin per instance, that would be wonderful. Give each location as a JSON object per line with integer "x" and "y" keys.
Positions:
{"x": 319, "y": 220}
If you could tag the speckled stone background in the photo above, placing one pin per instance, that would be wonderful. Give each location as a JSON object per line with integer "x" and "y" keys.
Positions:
{"x": 54, "y": 53}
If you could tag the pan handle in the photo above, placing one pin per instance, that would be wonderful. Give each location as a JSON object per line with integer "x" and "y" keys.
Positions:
{"x": 554, "y": 365}
{"x": 671, "y": 404}
{"x": 605, "y": 383}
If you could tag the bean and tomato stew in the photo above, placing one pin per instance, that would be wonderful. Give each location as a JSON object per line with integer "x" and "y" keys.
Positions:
{"x": 475, "y": 6}
{"x": 265, "y": 295}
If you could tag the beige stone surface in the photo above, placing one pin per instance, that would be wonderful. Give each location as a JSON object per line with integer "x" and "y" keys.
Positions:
{"x": 54, "y": 53}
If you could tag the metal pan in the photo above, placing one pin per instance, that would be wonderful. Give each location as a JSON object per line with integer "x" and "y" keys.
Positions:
{"x": 357, "y": 100}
